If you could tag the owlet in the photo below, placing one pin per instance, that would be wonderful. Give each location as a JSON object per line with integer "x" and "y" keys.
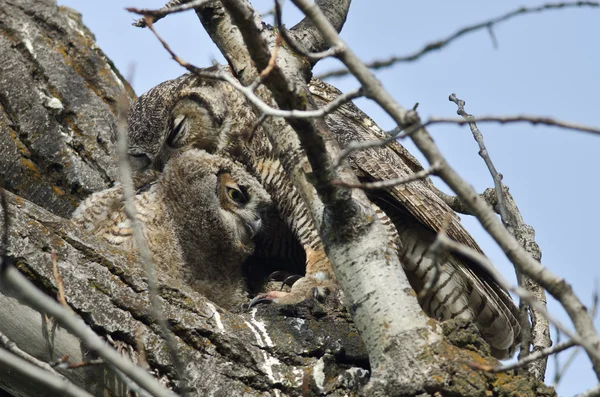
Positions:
{"x": 199, "y": 218}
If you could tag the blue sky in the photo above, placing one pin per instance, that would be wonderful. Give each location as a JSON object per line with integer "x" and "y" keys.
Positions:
{"x": 546, "y": 64}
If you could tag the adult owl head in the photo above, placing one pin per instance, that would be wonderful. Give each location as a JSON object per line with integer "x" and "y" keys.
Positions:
{"x": 189, "y": 111}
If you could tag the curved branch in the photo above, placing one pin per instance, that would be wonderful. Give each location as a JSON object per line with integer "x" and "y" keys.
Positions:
{"x": 306, "y": 33}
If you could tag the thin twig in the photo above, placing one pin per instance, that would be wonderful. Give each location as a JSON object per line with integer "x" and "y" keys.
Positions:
{"x": 56, "y": 384}
{"x": 457, "y": 205}
{"x": 12, "y": 347}
{"x": 31, "y": 295}
{"x": 483, "y": 152}
{"x": 296, "y": 47}
{"x": 267, "y": 13}
{"x": 248, "y": 91}
{"x": 390, "y": 182}
{"x": 512, "y": 119}
{"x": 403, "y": 133}
{"x": 535, "y": 330}
{"x": 273, "y": 61}
{"x": 140, "y": 240}
{"x": 81, "y": 364}
{"x": 354, "y": 146}
{"x": 170, "y": 8}
{"x": 59, "y": 281}
{"x": 439, "y": 44}
{"x": 537, "y": 355}
{"x": 561, "y": 370}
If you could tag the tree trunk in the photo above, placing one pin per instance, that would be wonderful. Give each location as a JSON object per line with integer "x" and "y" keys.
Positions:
{"x": 58, "y": 97}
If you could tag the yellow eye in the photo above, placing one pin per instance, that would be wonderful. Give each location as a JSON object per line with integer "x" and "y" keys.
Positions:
{"x": 236, "y": 195}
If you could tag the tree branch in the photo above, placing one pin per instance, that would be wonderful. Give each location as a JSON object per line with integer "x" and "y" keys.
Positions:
{"x": 54, "y": 385}
{"x": 172, "y": 7}
{"x": 26, "y": 291}
{"x": 140, "y": 241}
{"x": 512, "y": 119}
{"x": 537, "y": 333}
{"x": 518, "y": 256}
{"x": 306, "y": 33}
{"x": 353, "y": 240}
{"x": 389, "y": 182}
{"x": 439, "y": 44}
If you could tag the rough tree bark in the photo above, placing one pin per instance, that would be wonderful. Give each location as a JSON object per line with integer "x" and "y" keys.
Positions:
{"x": 58, "y": 97}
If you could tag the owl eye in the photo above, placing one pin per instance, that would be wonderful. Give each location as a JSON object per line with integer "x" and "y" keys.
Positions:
{"x": 237, "y": 195}
{"x": 178, "y": 126}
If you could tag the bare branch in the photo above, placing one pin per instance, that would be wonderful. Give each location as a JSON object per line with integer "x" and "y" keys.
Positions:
{"x": 56, "y": 385}
{"x": 354, "y": 146}
{"x": 439, "y": 44}
{"x": 30, "y": 294}
{"x": 390, "y": 182}
{"x": 305, "y": 32}
{"x": 518, "y": 256}
{"x": 248, "y": 91}
{"x": 171, "y": 7}
{"x": 561, "y": 370}
{"x": 489, "y": 196}
{"x": 140, "y": 240}
{"x": 537, "y": 332}
{"x": 297, "y": 47}
{"x": 513, "y": 119}
{"x": 10, "y": 346}
{"x": 496, "y": 176}
{"x": 535, "y": 356}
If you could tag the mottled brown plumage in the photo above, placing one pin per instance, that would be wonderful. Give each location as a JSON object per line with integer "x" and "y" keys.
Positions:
{"x": 412, "y": 212}
{"x": 199, "y": 218}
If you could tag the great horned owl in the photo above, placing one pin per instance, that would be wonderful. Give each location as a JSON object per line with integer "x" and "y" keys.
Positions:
{"x": 199, "y": 218}
{"x": 190, "y": 111}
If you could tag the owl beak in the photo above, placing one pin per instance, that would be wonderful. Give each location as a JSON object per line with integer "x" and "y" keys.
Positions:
{"x": 254, "y": 227}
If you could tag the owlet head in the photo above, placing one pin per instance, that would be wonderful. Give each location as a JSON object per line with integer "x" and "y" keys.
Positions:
{"x": 212, "y": 197}
{"x": 179, "y": 114}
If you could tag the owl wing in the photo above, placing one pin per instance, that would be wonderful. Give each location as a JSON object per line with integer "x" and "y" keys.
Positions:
{"x": 350, "y": 124}
{"x": 465, "y": 289}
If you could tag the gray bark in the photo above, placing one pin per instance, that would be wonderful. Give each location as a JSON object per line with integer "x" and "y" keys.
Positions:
{"x": 240, "y": 354}
{"x": 58, "y": 96}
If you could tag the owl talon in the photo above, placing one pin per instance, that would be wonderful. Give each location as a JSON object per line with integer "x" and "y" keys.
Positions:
{"x": 269, "y": 297}
{"x": 304, "y": 288}
{"x": 315, "y": 293}
{"x": 257, "y": 300}
{"x": 290, "y": 280}
{"x": 278, "y": 276}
